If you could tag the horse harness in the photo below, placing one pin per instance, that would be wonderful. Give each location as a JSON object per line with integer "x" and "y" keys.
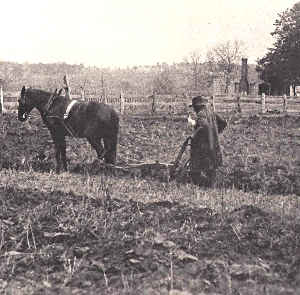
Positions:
{"x": 69, "y": 107}
{"x": 48, "y": 114}
{"x": 50, "y": 102}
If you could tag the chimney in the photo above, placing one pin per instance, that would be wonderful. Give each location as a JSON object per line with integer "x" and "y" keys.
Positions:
{"x": 244, "y": 85}
{"x": 297, "y": 13}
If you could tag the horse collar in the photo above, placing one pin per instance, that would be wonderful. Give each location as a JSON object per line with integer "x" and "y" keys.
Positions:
{"x": 69, "y": 107}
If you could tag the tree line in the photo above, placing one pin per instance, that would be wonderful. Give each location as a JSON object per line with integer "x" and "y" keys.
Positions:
{"x": 195, "y": 73}
{"x": 280, "y": 67}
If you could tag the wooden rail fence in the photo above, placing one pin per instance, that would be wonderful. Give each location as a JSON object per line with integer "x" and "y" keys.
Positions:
{"x": 168, "y": 104}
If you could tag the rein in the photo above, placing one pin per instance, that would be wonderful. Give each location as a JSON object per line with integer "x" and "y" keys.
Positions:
{"x": 50, "y": 102}
{"x": 179, "y": 156}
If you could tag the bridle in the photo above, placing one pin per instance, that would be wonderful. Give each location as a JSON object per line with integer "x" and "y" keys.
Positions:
{"x": 22, "y": 98}
{"x": 22, "y": 104}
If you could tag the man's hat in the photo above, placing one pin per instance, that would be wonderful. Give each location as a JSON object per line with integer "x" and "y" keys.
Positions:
{"x": 199, "y": 101}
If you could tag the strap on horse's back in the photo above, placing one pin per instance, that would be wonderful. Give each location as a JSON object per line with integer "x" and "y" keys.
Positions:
{"x": 69, "y": 107}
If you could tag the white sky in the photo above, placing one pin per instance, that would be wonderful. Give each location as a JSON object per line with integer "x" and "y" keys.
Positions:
{"x": 132, "y": 32}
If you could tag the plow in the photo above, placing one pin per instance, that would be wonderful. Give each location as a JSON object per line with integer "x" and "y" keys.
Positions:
{"x": 177, "y": 169}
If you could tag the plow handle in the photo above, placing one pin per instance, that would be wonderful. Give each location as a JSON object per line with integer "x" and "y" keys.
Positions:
{"x": 178, "y": 158}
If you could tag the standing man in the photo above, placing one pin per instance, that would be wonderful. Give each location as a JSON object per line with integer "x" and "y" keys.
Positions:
{"x": 206, "y": 154}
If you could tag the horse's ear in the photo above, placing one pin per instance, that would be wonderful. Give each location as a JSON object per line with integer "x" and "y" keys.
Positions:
{"x": 23, "y": 90}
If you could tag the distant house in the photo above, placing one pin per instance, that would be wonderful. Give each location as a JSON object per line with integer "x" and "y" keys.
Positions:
{"x": 250, "y": 84}
{"x": 297, "y": 91}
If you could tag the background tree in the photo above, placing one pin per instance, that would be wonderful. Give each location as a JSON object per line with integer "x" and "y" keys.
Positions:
{"x": 194, "y": 64}
{"x": 162, "y": 82}
{"x": 281, "y": 65}
{"x": 196, "y": 74}
{"x": 224, "y": 58}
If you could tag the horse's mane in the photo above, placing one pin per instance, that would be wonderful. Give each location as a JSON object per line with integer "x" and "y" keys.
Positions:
{"x": 37, "y": 91}
{"x": 40, "y": 93}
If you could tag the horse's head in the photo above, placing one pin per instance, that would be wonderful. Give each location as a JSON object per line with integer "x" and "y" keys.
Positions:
{"x": 25, "y": 105}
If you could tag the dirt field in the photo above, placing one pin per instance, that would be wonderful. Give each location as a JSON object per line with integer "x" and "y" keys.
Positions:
{"x": 260, "y": 153}
{"x": 87, "y": 233}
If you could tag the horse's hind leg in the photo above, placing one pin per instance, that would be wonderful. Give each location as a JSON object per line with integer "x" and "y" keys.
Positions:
{"x": 57, "y": 157}
{"x": 110, "y": 145}
{"x": 97, "y": 146}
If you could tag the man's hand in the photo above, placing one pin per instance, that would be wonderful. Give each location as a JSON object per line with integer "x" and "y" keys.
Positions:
{"x": 191, "y": 122}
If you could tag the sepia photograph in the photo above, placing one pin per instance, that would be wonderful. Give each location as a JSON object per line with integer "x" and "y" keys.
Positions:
{"x": 150, "y": 147}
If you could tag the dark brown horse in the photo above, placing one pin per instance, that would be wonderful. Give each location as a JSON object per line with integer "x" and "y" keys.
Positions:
{"x": 91, "y": 120}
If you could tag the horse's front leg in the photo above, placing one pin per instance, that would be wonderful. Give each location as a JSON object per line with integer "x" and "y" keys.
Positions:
{"x": 57, "y": 156}
{"x": 60, "y": 152}
{"x": 63, "y": 154}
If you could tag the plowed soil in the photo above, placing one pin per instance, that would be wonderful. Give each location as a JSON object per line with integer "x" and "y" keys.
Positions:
{"x": 129, "y": 247}
{"x": 261, "y": 154}
{"x": 57, "y": 242}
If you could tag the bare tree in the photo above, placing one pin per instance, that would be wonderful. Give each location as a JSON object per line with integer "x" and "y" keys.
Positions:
{"x": 224, "y": 58}
{"x": 194, "y": 62}
{"x": 162, "y": 82}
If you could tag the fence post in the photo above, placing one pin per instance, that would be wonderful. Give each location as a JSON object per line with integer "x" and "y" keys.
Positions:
{"x": 238, "y": 103}
{"x": 263, "y": 103}
{"x": 104, "y": 98}
{"x": 122, "y": 103}
{"x": 153, "y": 107}
{"x": 1, "y": 100}
{"x": 213, "y": 103}
{"x": 284, "y": 103}
{"x": 82, "y": 93}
